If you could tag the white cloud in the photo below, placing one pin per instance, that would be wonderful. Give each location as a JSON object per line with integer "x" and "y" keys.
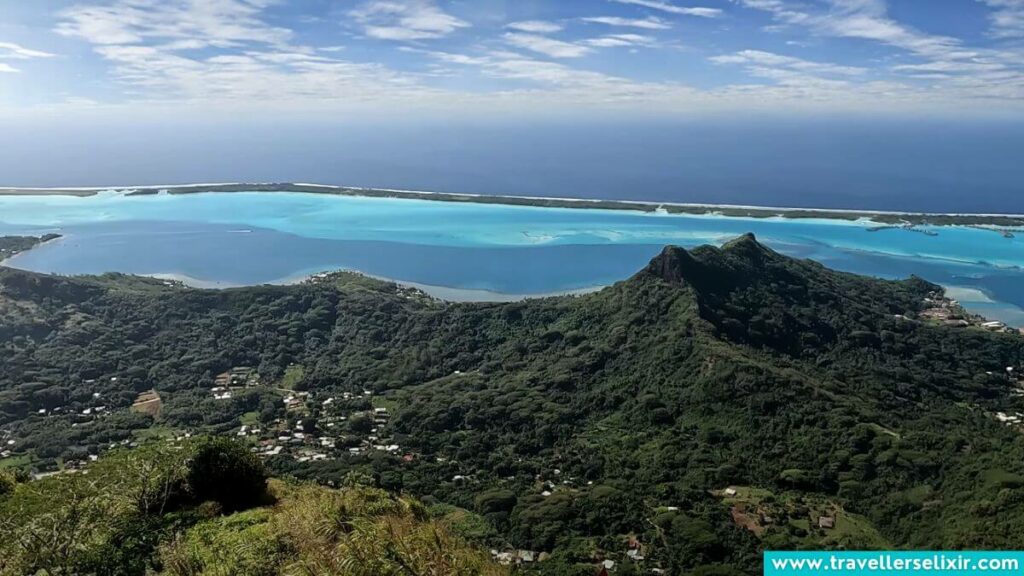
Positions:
{"x": 151, "y": 45}
{"x": 608, "y": 42}
{"x": 551, "y": 73}
{"x": 761, "y": 62}
{"x": 405, "y": 20}
{"x": 257, "y": 77}
{"x": 620, "y": 40}
{"x": 449, "y": 57}
{"x": 1007, "y": 18}
{"x": 547, "y": 46}
{"x": 860, "y": 19}
{"x": 562, "y": 86}
{"x": 12, "y": 51}
{"x": 223, "y": 54}
{"x": 957, "y": 71}
{"x": 535, "y": 26}
{"x": 644, "y": 23}
{"x": 192, "y": 23}
{"x": 945, "y": 66}
{"x": 513, "y": 66}
{"x": 673, "y": 9}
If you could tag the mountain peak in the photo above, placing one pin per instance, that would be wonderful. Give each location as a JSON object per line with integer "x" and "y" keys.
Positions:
{"x": 742, "y": 240}
{"x": 675, "y": 264}
{"x": 748, "y": 248}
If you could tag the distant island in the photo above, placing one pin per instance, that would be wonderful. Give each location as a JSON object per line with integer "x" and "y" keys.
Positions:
{"x": 1006, "y": 224}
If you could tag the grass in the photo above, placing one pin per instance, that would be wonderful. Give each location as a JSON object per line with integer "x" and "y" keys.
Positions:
{"x": 382, "y": 402}
{"x": 302, "y": 533}
{"x": 747, "y": 495}
{"x": 802, "y": 523}
{"x": 250, "y": 419}
{"x": 918, "y": 495}
{"x": 1000, "y": 478}
{"x": 855, "y": 532}
{"x": 292, "y": 376}
{"x": 16, "y": 462}
{"x": 883, "y": 430}
{"x": 156, "y": 432}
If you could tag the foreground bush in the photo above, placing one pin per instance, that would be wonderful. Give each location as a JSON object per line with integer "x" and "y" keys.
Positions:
{"x": 158, "y": 510}
{"x": 7, "y": 483}
{"x": 355, "y": 532}
{"x": 223, "y": 471}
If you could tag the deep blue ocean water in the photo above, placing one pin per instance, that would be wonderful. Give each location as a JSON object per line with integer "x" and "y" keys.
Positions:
{"x": 870, "y": 163}
{"x": 252, "y": 238}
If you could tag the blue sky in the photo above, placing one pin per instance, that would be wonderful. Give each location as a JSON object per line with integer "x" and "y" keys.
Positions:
{"x": 423, "y": 57}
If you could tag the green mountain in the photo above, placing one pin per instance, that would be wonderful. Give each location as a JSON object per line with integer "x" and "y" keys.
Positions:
{"x": 720, "y": 402}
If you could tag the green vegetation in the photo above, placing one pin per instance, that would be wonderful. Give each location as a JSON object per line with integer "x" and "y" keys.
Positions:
{"x": 354, "y": 532}
{"x": 160, "y": 510}
{"x": 292, "y": 377}
{"x": 227, "y": 473}
{"x": 7, "y": 483}
{"x": 249, "y": 419}
{"x": 11, "y": 245}
{"x": 792, "y": 520}
{"x": 18, "y": 462}
{"x": 574, "y": 426}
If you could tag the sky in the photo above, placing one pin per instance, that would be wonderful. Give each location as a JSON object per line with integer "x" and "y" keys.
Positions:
{"x": 903, "y": 104}
{"x": 359, "y": 59}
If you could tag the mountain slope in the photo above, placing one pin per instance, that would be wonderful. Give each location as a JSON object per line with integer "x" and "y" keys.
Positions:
{"x": 204, "y": 507}
{"x": 813, "y": 392}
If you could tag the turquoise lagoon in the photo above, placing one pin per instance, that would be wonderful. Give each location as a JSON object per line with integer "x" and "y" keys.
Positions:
{"x": 232, "y": 239}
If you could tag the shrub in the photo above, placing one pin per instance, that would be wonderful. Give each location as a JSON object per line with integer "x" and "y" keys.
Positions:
{"x": 225, "y": 472}
{"x": 7, "y": 483}
{"x": 496, "y": 501}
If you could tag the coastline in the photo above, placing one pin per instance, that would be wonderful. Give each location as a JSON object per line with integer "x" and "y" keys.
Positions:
{"x": 29, "y": 243}
{"x": 1005, "y": 224}
{"x": 977, "y": 300}
{"x": 974, "y": 299}
{"x": 443, "y": 293}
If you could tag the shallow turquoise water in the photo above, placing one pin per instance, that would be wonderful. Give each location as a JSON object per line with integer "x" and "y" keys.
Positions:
{"x": 248, "y": 238}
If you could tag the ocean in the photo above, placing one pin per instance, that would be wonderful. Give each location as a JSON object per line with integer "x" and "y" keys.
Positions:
{"x": 876, "y": 163}
{"x": 232, "y": 239}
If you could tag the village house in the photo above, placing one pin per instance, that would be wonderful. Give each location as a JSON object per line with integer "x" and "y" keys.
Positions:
{"x": 1009, "y": 419}
{"x": 634, "y": 549}
{"x": 517, "y": 557}
{"x": 237, "y": 377}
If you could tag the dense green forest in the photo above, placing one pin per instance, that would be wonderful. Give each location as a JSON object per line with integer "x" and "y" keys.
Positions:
{"x": 720, "y": 402}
